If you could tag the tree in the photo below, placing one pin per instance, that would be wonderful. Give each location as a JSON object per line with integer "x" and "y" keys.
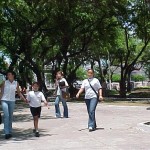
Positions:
{"x": 134, "y": 39}
{"x": 66, "y": 34}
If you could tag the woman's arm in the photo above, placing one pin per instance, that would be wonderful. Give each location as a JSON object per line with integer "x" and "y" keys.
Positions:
{"x": 79, "y": 92}
{"x": 100, "y": 94}
{"x": 20, "y": 94}
{"x": 98, "y": 86}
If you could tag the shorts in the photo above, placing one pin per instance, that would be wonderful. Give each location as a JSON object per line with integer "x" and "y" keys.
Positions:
{"x": 35, "y": 111}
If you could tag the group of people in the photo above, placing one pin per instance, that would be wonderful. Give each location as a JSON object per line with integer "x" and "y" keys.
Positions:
{"x": 91, "y": 86}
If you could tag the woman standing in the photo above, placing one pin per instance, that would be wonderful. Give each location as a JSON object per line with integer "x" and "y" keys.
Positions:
{"x": 93, "y": 93}
{"x": 8, "y": 89}
{"x": 61, "y": 87}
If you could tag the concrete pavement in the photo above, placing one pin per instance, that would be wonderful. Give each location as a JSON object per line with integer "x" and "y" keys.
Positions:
{"x": 118, "y": 129}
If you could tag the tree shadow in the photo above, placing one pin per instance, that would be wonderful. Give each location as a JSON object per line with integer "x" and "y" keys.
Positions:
{"x": 23, "y": 134}
{"x": 28, "y": 117}
{"x": 22, "y": 118}
{"x": 47, "y": 117}
{"x": 20, "y": 107}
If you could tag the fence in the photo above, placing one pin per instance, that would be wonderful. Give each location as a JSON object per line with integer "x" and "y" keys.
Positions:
{"x": 116, "y": 86}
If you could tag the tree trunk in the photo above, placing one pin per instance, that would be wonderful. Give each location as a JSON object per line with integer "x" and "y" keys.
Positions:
{"x": 41, "y": 81}
{"x": 129, "y": 82}
{"x": 92, "y": 65}
{"x": 101, "y": 71}
{"x": 122, "y": 88}
{"x": 71, "y": 78}
{"x": 123, "y": 84}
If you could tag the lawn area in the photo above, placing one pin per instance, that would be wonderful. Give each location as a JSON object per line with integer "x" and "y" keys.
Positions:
{"x": 128, "y": 103}
{"x": 141, "y": 92}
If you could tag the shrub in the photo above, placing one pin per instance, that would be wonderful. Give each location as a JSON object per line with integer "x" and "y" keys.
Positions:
{"x": 137, "y": 78}
{"x": 116, "y": 78}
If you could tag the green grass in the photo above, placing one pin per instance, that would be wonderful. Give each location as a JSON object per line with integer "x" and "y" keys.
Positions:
{"x": 112, "y": 92}
{"x": 141, "y": 88}
{"x": 128, "y": 103}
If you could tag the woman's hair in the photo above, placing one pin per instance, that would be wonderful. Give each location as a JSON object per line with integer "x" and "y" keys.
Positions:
{"x": 35, "y": 83}
{"x": 90, "y": 70}
{"x": 60, "y": 72}
{"x": 12, "y": 72}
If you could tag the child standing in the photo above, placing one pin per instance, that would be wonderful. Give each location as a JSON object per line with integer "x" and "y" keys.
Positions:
{"x": 34, "y": 98}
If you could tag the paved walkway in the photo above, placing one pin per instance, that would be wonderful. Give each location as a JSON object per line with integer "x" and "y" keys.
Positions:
{"x": 117, "y": 129}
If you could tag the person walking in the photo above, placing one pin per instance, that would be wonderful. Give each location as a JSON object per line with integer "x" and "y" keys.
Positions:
{"x": 34, "y": 99}
{"x": 61, "y": 89}
{"x": 8, "y": 90}
{"x": 93, "y": 93}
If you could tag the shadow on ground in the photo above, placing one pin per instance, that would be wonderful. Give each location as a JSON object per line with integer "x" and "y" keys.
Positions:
{"x": 48, "y": 117}
{"x": 22, "y": 118}
{"x": 148, "y": 108}
{"x": 20, "y": 135}
{"x": 28, "y": 117}
{"x": 87, "y": 129}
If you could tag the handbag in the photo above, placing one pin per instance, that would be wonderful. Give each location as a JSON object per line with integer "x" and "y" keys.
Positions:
{"x": 94, "y": 90}
{"x": 65, "y": 94}
{"x": 62, "y": 83}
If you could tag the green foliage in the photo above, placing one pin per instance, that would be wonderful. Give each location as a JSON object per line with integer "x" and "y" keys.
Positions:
{"x": 112, "y": 92}
{"x": 116, "y": 78}
{"x": 137, "y": 78}
{"x": 66, "y": 34}
{"x": 81, "y": 73}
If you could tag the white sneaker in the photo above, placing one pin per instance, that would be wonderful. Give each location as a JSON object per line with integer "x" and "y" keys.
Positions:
{"x": 91, "y": 129}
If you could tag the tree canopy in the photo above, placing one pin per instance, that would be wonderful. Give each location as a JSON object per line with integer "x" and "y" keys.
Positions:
{"x": 46, "y": 36}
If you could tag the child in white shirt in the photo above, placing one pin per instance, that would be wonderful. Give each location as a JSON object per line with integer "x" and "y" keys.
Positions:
{"x": 34, "y": 98}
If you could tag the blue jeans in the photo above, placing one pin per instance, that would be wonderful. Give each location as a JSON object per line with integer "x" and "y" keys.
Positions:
{"x": 57, "y": 109}
{"x": 8, "y": 109}
{"x": 91, "y": 107}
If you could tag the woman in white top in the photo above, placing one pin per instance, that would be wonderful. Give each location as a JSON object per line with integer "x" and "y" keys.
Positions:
{"x": 8, "y": 90}
{"x": 93, "y": 93}
{"x": 59, "y": 97}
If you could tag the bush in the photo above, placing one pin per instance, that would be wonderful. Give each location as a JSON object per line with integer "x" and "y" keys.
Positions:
{"x": 81, "y": 74}
{"x": 137, "y": 78}
{"x": 116, "y": 78}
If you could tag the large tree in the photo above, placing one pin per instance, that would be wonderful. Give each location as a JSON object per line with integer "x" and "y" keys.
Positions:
{"x": 133, "y": 39}
{"x": 65, "y": 34}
